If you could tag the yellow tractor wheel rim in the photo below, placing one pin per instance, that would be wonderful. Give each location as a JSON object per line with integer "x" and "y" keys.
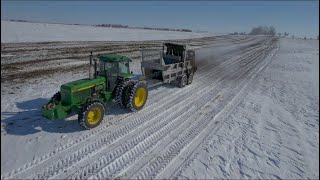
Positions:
{"x": 140, "y": 97}
{"x": 94, "y": 116}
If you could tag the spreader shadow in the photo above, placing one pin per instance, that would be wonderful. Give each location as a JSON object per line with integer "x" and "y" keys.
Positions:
{"x": 30, "y": 121}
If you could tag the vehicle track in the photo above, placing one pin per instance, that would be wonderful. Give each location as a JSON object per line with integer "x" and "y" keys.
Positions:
{"x": 178, "y": 104}
{"x": 181, "y": 162}
{"x": 159, "y": 161}
{"x": 69, "y": 145}
{"x": 37, "y": 160}
{"x": 113, "y": 155}
{"x": 132, "y": 123}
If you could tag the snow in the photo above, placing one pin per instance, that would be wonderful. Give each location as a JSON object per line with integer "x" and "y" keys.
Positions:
{"x": 13, "y": 32}
{"x": 247, "y": 114}
{"x": 274, "y": 132}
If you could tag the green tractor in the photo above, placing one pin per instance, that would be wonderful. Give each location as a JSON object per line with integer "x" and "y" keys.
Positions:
{"x": 89, "y": 97}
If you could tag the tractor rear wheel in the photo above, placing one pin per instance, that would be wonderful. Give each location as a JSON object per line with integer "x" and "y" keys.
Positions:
{"x": 121, "y": 92}
{"x": 182, "y": 81}
{"x": 91, "y": 114}
{"x": 136, "y": 96}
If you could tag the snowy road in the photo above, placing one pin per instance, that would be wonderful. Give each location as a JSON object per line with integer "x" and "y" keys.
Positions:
{"x": 167, "y": 139}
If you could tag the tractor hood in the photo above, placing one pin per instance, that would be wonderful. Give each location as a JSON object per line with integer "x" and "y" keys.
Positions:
{"x": 82, "y": 84}
{"x": 126, "y": 75}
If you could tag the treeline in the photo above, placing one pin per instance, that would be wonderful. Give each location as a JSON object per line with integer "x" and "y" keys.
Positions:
{"x": 236, "y": 33}
{"x": 260, "y": 30}
{"x": 165, "y": 29}
{"x": 149, "y": 28}
{"x": 17, "y": 20}
{"x": 112, "y": 25}
{"x": 263, "y": 30}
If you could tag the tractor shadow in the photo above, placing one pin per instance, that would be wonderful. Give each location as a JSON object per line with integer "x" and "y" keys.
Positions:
{"x": 30, "y": 121}
{"x": 114, "y": 109}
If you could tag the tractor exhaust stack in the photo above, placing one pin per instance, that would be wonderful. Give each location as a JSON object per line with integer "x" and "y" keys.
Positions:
{"x": 90, "y": 67}
{"x": 95, "y": 67}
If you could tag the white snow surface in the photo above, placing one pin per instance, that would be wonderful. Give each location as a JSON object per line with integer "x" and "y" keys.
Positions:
{"x": 274, "y": 132}
{"x": 13, "y": 32}
{"x": 240, "y": 118}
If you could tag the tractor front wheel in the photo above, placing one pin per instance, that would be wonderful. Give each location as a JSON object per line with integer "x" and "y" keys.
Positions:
{"x": 136, "y": 96}
{"x": 91, "y": 114}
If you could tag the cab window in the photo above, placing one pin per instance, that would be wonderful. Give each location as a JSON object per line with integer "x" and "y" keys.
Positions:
{"x": 123, "y": 67}
{"x": 110, "y": 68}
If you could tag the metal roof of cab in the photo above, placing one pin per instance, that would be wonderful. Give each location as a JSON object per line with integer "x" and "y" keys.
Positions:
{"x": 113, "y": 58}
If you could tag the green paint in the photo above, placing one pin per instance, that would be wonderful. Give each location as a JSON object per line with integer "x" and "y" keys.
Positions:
{"x": 58, "y": 112}
{"x": 126, "y": 75}
{"x": 113, "y": 58}
{"x": 83, "y": 83}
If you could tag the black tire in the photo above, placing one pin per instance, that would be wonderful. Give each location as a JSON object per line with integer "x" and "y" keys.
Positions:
{"x": 84, "y": 114}
{"x": 131, "y": 94}
{"x": 56, "y": 96}
{"x": 182, "y": 81}
{"x": 118, "y": 82}
{"x": 190, "y": 78}
{"x": 121, "y": 92}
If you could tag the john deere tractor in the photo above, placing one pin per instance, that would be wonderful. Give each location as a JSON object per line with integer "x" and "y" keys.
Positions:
{"x": 109, "y": 79}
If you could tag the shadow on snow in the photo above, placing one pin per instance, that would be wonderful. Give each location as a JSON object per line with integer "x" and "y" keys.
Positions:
{"x": 31, "y": 121}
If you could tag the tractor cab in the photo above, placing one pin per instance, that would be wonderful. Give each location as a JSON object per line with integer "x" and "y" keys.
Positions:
{"x": 114, "y": 67}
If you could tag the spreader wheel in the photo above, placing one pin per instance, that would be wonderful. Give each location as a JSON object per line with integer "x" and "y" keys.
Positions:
{"x": 91, "y": 114}
{"x": 190, "y": 78}
{"x": 182, "y": 81}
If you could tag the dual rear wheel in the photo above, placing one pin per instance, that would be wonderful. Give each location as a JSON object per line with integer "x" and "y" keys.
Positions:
{"x": 136, "y": 96}
{"x": 132, "y": 95}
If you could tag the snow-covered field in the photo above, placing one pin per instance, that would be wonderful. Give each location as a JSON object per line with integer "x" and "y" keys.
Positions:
{"x": 252, "y": 111}
{"x": 13, "y": 32}
{"x": 274, "y": 131}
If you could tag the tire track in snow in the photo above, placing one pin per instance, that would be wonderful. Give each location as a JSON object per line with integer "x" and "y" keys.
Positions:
{"x": 181, "y": 162}
{"x": 61, "y": 149}
{"x": 52, "y": 170}
{"x": 201, "y": 100}
{"x": 108, "y": 168}
{"x": 55, "y": 167}
{"x": 47, "y": 156}
{"x": 156, "y": 165}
